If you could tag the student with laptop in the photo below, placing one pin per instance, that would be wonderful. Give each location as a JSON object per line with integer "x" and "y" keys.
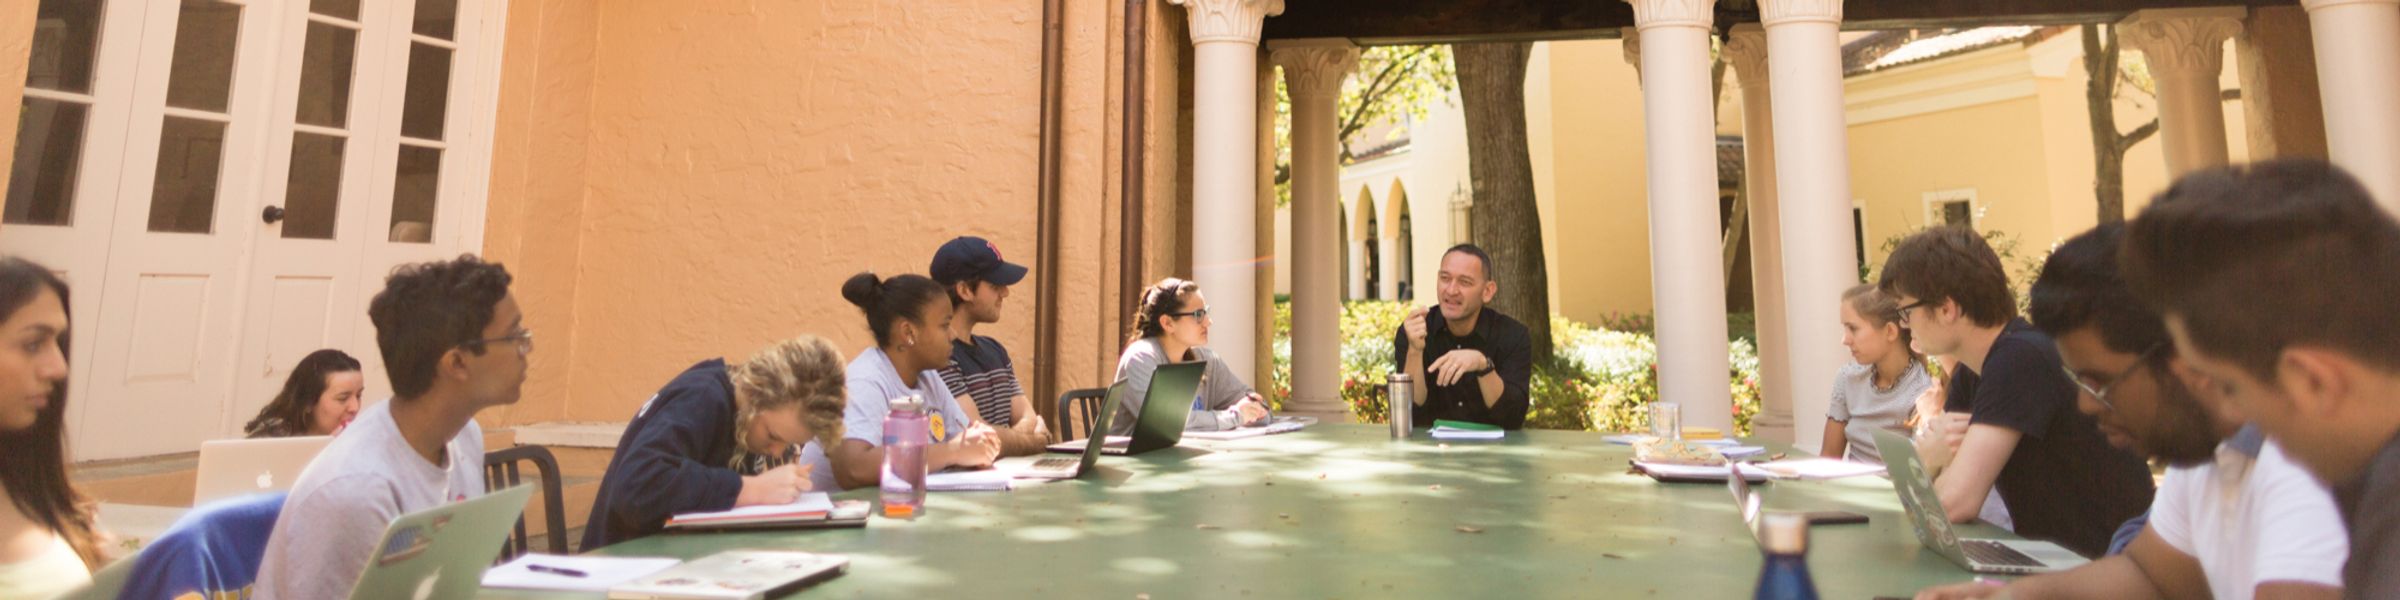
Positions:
{"x": 1879, "y": 388}
{"x": 49, "y": 540}
{"x": 453, "y": 343}
{"x": 980, "y": 373}
{"x": 910, "y": 317}
{"x": 2011, "y": 419}
{"x": 2235, "y": 518}
{"x": 1171, "y": 326}
{"x": 1465, "y": 361}
{"x": 681, "y": 452}
{"x": 320, "y": 397}
{"x": 2278, "y": 281}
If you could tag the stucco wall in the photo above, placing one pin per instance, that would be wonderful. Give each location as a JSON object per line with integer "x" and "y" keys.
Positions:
{"x": 16, "y": 48}
{"x": 676, "y": 182}
{"x": 1599, "y": 173}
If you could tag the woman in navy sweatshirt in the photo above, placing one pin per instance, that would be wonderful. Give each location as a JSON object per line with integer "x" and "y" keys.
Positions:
{"x": 687, "y": 448}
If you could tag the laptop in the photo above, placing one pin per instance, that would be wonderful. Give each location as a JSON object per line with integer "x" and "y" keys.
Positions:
{"x": 1173, "y": 387}
{"x": 1064, "y": 466}
{"x": 441, "y": 552}
{"x": 1746, "y": 502}
{"x": 2012, "y": 557}
{"x": 231, "y": 468}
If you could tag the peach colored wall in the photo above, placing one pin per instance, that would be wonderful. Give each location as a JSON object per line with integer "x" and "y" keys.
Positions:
{"x": 16, "y": 48}
{"x": 676, "y": 182}
{"x": 1598, "y": 174}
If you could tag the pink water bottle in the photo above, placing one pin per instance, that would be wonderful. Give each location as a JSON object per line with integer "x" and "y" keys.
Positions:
{"x": 905, "y": 434}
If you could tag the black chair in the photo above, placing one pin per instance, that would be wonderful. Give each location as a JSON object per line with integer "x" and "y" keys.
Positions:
{"x": 1079, "y": 409}
{"x": 501, "y": 471}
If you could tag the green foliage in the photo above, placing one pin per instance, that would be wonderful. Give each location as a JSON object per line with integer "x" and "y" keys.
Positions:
{"x": 1602, "y": 379}
{"x": 1391, "y": 84}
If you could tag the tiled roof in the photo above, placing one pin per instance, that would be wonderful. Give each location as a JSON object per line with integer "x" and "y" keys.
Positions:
{"x": 1729, "y": 162}
{"x": 1889, "y": 49}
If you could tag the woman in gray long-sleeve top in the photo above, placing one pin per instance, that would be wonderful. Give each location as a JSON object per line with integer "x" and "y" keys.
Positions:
{"x": 1172, "y": 326}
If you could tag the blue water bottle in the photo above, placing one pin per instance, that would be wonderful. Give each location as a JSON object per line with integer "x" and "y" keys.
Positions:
{"x": 905, "y": 434}
{"x": 1784, "y": 539}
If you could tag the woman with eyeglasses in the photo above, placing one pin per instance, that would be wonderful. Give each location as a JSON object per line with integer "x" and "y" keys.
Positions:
{"x": 49, "y": 539}
{"x": 1170, "y": 326}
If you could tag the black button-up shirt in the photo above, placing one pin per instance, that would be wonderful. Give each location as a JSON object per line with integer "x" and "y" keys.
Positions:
{"x": 2371, "y": 507}
{"x": 1502, "y": 340}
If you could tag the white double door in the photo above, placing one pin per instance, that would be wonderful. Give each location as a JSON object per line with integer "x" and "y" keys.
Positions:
{"x": 243, "y": 174}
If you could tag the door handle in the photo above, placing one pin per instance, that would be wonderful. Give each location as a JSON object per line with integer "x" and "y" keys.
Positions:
{"x": 271, "y": 214}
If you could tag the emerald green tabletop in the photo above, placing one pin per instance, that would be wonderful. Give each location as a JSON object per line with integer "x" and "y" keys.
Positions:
{"x": 1343, "y": 511}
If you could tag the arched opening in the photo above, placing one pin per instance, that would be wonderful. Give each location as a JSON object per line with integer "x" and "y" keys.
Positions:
{"x": 1342, "y": 216}
{"x": 1374, "y": 249}
{"x": 1404, "y": 241}
{"x": 1357, "y": 265}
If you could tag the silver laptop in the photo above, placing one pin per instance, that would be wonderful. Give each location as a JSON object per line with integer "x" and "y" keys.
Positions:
{"x": 2012, "y": 557}
{"x": 230, "y": 468}
{"x": 1746, "y": 502}
{"x": 442, "y": 552}
{"x": 1066, "y": 466}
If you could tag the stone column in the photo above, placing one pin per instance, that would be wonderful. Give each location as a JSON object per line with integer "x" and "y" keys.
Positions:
{"x": 1812, "y": 182}
{"x": 1686, "y": 264}
{"x": 1747, "y": 49}
{"x": 1224, "y": 178}
{"x": 2186, "y": 53}
{"x": 1314, "y": 76}
{"x": 2358, "y": 74}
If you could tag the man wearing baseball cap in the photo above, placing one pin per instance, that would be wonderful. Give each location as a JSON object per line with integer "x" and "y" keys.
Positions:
{"x": 980, "y": 373}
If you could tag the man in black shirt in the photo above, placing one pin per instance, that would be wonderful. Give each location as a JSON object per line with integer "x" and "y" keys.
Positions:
{"x": 1466, "y": 362}
{"x": 2010, "y": 420}
{"x": 980, "y": 374}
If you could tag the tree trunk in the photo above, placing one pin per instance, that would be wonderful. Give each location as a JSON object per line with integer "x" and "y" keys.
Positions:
{"x": 1507, "y": 222}
{"x": 2100, "y": 95}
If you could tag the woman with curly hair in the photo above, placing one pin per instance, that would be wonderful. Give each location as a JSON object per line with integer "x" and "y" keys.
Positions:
{"x": 688, "y": 448}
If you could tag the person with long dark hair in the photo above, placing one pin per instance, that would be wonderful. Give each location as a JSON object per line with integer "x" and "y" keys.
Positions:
{"x": 49, "y": 540}
{"x": 1170, "y": 326}
{"x": 319, "y": 398}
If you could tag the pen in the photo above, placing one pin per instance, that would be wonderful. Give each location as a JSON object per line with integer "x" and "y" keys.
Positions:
{"x": 555, "y": 570}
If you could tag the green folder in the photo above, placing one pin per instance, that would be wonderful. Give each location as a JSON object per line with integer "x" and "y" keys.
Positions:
{"x": 1465, "y": 425}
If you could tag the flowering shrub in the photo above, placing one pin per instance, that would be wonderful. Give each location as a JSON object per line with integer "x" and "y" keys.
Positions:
{"x": 1599, "y": 380}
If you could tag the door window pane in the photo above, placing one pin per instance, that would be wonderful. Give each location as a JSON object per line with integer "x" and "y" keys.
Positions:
{"x": 313, "y": 195}
{"x": 347, "y": 9}
{"x": 66, "y": 34}
{"x": 428, "y": 92}
{"x": 201, "y": 77}
{"x": 437, "y": 18}
{"x": 183, "y": 199}
{"x": 41, "y": 182}
{"x": 325, "y": 63}
{"x": 413, "y": 194}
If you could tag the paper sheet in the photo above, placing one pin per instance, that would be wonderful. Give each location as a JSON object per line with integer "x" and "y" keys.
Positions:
{"x": 600, "y": 572}
{"x": 809, "y": 502}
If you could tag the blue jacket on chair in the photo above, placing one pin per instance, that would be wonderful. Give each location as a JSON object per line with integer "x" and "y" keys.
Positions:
{"x": 213, "y": 551}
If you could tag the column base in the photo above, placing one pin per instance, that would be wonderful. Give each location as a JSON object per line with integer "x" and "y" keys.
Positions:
{"x": 1773, "y": 427}
{"x": 1326, "y": 410}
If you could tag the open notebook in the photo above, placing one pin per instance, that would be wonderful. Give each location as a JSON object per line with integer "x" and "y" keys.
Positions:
{"x": 813, "y": 509}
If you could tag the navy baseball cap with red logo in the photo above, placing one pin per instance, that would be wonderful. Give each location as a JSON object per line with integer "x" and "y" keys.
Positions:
{"x": 970, "y": 257}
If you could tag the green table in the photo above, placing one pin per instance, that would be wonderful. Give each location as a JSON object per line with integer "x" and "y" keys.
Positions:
{"x": 1342, "y": 511}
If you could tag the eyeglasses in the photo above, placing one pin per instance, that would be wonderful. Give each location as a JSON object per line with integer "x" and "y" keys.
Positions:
{"x": 1201, "y": 314}
{"x": 523, "y": 339}
{"x": 1912, "y": 306}
{"x": 2102, "y": 393}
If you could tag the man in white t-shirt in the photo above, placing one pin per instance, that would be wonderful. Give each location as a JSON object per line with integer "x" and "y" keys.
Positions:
{"x": 453, "y": 343}
{"x": 2234, "y": 519}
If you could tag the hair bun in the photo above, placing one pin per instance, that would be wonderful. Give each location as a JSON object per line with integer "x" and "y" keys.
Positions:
{"x": 863, "y": 290}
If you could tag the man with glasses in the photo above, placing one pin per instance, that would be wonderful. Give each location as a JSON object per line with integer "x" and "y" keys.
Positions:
{"x": 1465, "y": 361}
{"x": 2008, "y": 418}
{"x": 2278, "y": 281}
{"x": 2234, "y": 518}
{"x": 453, "y": 343}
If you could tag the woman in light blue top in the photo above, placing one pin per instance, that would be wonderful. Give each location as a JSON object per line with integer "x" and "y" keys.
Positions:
{"x": 1880, "y": 388}
{"x": 910, "y": 317}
